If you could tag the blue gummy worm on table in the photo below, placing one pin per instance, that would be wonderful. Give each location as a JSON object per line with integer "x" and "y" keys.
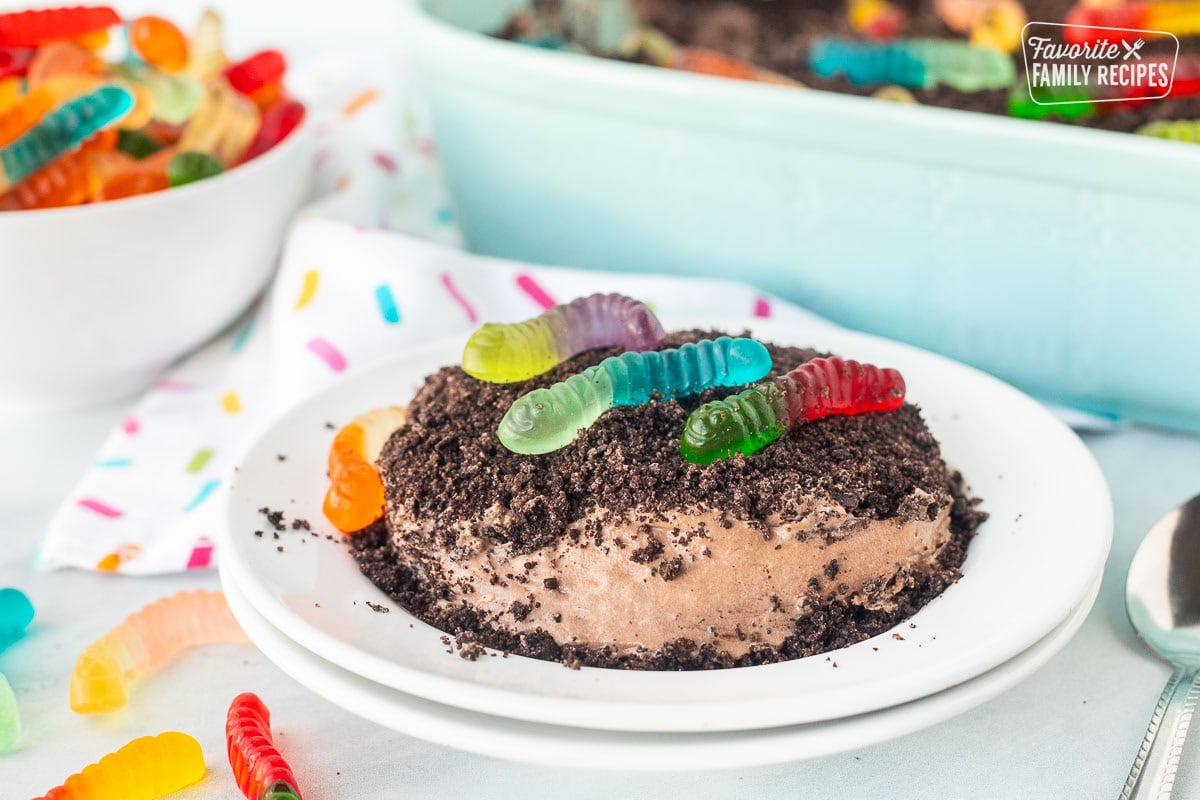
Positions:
{"x": 16, "y": 612}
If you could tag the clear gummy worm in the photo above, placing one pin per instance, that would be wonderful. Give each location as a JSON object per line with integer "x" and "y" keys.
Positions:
{"x": 749, "y": 421}
{"x": 547, "y": 419}
{"x": 507, "y": 353}
{"x": 10, "y": 720}
{"x": 145, "y": 769}
{"x": 143, "y": 642}
{"x": 261, "y": 772}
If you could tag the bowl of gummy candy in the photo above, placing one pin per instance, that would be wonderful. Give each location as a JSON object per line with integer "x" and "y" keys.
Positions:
{"x": 890, "y": 164}
{"x": 146, "y": 181}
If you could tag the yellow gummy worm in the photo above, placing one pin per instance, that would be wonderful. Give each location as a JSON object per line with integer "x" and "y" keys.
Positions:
{"x": 145, "y": 769}
{"x": 144, "y": 641}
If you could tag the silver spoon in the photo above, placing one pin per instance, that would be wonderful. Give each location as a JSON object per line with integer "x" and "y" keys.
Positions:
{"x": 1162, "y": 597}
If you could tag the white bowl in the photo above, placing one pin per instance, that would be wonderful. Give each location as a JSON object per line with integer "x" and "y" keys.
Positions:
{"x": 96, "y": 300}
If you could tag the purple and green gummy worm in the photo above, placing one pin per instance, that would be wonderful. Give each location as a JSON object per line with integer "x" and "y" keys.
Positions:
{"x": 508, "y": 353}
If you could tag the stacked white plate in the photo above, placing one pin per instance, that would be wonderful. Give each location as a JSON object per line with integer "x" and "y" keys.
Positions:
{"x": 1029, "y": 580}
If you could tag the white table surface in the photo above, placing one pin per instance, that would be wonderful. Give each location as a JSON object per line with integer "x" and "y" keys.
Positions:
{"x": 1069, "y": 731}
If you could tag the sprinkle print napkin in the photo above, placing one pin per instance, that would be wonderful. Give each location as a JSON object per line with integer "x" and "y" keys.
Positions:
{"x": 369, "y": 269}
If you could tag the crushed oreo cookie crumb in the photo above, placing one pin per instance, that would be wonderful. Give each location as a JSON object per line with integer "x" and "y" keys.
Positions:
{"x": 273, "y": 517}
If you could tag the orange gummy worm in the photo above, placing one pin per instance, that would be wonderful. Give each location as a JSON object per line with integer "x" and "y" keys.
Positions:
{"x": 143, "y": 642}
{"x": 64, "y": 182}
{"x": 355, "y": 497}
{"x": 59, "y": 59}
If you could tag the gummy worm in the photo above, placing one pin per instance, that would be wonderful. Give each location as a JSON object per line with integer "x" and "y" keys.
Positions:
{"x": 1086, "y": 23}
{"x": 876, "y": 19}
{"x": 355, "y": 498}
{"x": 1064, "y": 102}
{"x": 500, "y": 353}
{"x": 257, "y": 71}
{"x": 145, "y": 769}
{"x": 1178, "y": 130}
{"x": 277, "y": 123}
{"x": 223, "y": 124}
{"x": 65, "y": 182}
{"x": 207, "y": 53}
{"x": 175, "y": 98}
{"x": 10, "y": 721}
{"x": 32, "y": 28}
{"x": 548, "y": 419}
{"x": 261, "y": 772}
{"x": 916, "y": 63}
{"x": 16, "y": 612}
{"x": 146, "y": 639}
{"x": 61, "y": 131}
{"x": 749, "y": 421}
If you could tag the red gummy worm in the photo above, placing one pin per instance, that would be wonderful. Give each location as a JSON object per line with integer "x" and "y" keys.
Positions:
{"x": 826, "y": 386}
{"x": 259, "y": 769}
{"x": 32, "y": 28}
{"x": 256, "y": 71}
{"x": 1084, "y": 24}
{"x": 278, "y": 121}
{"x": 15, "y": 60}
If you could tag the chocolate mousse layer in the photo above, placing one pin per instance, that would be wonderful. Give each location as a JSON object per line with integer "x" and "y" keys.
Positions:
{"x": 615, "y": 552}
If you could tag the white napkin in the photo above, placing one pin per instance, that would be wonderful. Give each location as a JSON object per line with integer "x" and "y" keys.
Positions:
{"x": 349, "y": 293}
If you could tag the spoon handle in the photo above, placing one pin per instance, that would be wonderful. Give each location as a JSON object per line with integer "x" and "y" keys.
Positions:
{"x": 1153, "y": 774}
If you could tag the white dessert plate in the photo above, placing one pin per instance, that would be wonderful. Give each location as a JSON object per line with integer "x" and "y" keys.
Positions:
{"x": 591, "y": 749}
{"x": 1031, "y": 565}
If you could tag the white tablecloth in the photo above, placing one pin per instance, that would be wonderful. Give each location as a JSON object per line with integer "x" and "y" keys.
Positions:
{"x": 1068, "y": 732}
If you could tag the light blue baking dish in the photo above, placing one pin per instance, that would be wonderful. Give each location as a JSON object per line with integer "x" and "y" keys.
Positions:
{"x": 1064, "y": 260}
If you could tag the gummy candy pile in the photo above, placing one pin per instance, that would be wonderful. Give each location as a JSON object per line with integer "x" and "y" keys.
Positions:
{"x": 959, "y": 51}
{"x": 95, "y": 108}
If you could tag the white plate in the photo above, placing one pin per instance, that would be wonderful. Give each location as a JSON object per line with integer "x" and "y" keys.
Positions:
{"x": 1031, "y": 565}
{"x": 592, "y": 749}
